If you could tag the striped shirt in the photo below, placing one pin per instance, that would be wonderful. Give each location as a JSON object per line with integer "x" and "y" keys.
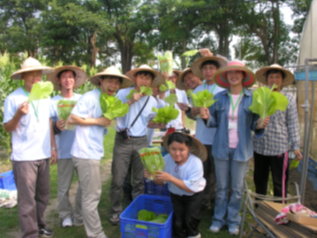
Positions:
{"x": 282, "y": 132}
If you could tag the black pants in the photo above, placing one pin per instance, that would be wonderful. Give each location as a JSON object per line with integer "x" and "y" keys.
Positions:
{"x": 187, "y": 214}
{"x": 262, "y": 166}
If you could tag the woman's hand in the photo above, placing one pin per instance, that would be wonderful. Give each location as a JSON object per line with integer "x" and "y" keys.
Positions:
{"x": 262, "y": 123}
{"x": 204, "y": 113}
{"x": 60, "y": 124}
{"x": 298, "y": 154}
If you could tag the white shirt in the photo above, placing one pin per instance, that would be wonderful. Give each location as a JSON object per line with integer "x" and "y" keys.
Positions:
{"x": 88, "y": 142}
{"x": 64, "y": 140}
{"x": 181, "y": 98}
{"x": 31, "y": 139}
{"x": 140, "y": 126}
{"x": 206, "y": 134}
{"x": 191, "y": 172}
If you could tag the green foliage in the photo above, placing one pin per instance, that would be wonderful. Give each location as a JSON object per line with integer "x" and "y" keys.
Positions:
{"x": 112, "y": 107}
{"x": 168, "y": 85}
{"x": 166, "y": 62}
{"x": 266, "y": 102}
{"x": 152, "y": 160}
{"x": 146, "y": 215}
{"x": 165, "y": 114}
{"x": 171, "y": 99}
{"x": 64, "y": 108}
{"x": 203, "y": 98}
{"x": 41, "y": 90}
{"x": 145, "y": 91}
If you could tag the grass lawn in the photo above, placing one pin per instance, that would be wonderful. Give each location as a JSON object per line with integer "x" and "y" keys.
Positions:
{"x": 9, "y": 222}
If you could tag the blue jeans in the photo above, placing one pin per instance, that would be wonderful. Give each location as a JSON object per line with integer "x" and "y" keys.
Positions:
{"x": 229, "y": 188}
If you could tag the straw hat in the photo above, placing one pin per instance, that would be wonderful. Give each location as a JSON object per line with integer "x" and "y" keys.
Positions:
{"x": 81, "y": 76}
{"x": 220, "y": 76}
{"x": 112, "y": 71}
{"x": 180, "y": 82}
{"x": 31, "y": 64}
{"x": 197, "y": 148}
{"x": 261, "y": 74}
{"x": 197, "y": 64}
{"x": 158, "y": 79}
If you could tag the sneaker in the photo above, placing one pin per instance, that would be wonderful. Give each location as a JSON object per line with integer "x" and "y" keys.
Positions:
{"x": 78, "y": 222}
{"x": 67, "y": 222}
{"x": 114, "y": 219}
{"x": 44, "y": 232}
{"x": 214, "y": 228}
{"x": 234, "y": 230}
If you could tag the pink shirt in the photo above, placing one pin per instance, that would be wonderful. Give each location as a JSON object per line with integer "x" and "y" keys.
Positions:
{"x": 233, "y": 120}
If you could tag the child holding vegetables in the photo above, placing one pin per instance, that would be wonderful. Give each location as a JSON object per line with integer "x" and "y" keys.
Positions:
{"x": 233, "y": 148}
{"x": 87, "y": 148}
{"x": 65, "y": 79}
{"x": 183, "y": 173}
{"x": 280, "y": 136}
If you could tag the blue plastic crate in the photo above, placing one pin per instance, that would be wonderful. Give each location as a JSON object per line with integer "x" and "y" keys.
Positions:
{"x": 155, "y": 189}
{"x": 7, "y": 181}
{"x": 130, "y": 226}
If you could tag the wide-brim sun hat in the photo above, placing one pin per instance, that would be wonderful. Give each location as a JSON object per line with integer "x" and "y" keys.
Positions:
{"x": 261, "y": 74}
{"x": 180, "y": 82}
{"x": 220, "y": 76}
{"x": 114, "y": 72}
{"x": 80, "y": 78}
{"x": 197, "y": 64}
{"x": 31, "y": 64}
{"x": 197, "y": 149}
{"x": 158, "y": 78}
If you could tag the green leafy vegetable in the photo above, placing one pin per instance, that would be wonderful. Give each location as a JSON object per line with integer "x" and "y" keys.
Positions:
{"x": 168, "y": 85}
{"x": 147, "y": 91}
{"x": 112, "y": 107}
{"x": 146, "y": 215}
{"x": 171, "y": 99}
{"x": 166, "y": 62}
{"x": 165, "y": 114}
{"x": 265, "y": 102}
{"x": 203, "y": 98}
{"x": 188, "y": 54}
{"x": 152, "y": 160}
{"x": 294, "y": 164}
{"x": 41, "y": 90}
{"x": 64, "y": 108}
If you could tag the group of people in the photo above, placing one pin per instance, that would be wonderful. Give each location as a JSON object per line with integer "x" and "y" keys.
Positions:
{"x": 205, "y": 171}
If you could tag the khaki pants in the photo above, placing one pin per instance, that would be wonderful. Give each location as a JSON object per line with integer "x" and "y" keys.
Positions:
{"x": 32, "y": 181}
{"x": 90, "y": 184}
{"x": 65, "y": 175}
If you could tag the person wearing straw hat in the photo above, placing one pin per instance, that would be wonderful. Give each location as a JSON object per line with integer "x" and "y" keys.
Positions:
{"x": 188, "y": 80}
{"x": 184, "y": 175}
{"x": 88, "y": 148}
{"x": 32, "y": 145}
{"x": 65, "y": 80}
{"x": 205, "y": 68}
{"x": 233, "y": 120}
{"x": 131, "y": 136}
{"x": 280, "y": 136}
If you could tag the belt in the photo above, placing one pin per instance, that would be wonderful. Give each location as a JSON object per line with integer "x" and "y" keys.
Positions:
{"x": 137, "y": 136}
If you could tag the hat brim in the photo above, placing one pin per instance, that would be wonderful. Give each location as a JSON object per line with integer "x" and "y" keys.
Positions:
{"x": 126, "y": 81}
{"x": 261, "y": 75}
{"x": 43, "y": 69}
{"x": 158, "y": 78}
{"x": 197, "y": 149}
{"x": 196, "y": 66}
{"x": 81, "y": 76}
{"x": 221, "y": 80}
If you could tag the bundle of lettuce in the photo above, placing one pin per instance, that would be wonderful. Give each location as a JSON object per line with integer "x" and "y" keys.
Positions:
{"x": 112, "y": 107}
{"x": 165, "y": 114}
{"x": 152, "y": 160}
{"x": 166, "y": 62}
{"x": 171, "y": 99}
{"x": 168, "y": 85}
{"x": 202, "y": 98}
{"x": 41, "y": 90}
{"x": 146, "y": 215}
{"x": 146, "y": 91}
{"x": 265, "y": 102}
{"x": 64, "y": 108}
{"x": 188, "y": 54}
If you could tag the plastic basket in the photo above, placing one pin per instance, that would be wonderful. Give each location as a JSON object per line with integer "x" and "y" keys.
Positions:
{"x": 7, "y": 181}
{"x": 155, "y": 189}
{"x": 130, "y": 226}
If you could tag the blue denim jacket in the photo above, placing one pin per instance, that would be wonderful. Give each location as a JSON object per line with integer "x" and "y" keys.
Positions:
{"x": 246, "y": 123}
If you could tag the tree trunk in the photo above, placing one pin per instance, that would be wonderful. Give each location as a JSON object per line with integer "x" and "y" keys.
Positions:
{"x": 92, "y": 49}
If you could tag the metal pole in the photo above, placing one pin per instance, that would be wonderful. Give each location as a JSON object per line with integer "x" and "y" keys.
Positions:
{"x": 307, "y": 132}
